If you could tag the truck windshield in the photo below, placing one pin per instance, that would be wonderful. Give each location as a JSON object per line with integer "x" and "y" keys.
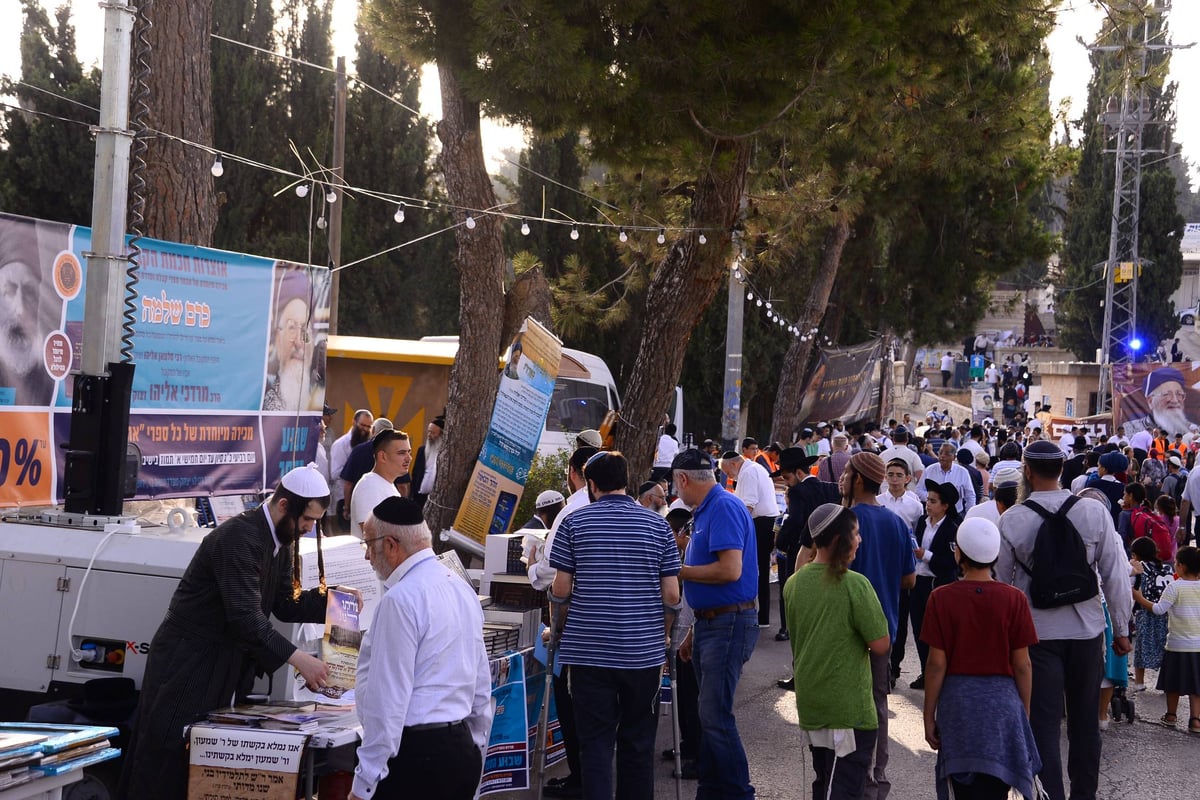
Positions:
{"x": 576, "y": 405}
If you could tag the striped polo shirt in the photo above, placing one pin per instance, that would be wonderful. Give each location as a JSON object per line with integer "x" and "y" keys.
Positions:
{"x": 618, "y": 552}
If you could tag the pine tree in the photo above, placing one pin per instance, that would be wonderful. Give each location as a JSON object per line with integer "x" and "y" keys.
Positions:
{"x": 46, "y": 165}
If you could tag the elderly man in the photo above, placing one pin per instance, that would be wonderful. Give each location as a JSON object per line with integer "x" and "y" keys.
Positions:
{"x": 616, "y": 567}
{"x": 947, "y": 470}
{"x": 217, "y": 633}
{"x": 839, "y": 455}
{"x": 339, "y": 454}
{"x": 756, "y": 489}
{"x": 424, "y": 687}
{"x": 652, "y": 496}
{"x": 720, "y": 580}
{"x": 424, "y": 466}
{"x": 393, "y": 453}
{"x": 1167, "y": 399}
{"x": 1068, "y": 660}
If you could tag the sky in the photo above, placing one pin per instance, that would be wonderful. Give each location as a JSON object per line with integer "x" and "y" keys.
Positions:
{"x": 1069, "y": 62}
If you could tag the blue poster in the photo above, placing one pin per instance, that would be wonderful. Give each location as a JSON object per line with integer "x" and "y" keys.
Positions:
{"x": 506, "y": 764}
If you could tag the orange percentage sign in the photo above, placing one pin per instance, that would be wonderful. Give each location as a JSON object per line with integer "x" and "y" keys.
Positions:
{"x": 25, "y": 457}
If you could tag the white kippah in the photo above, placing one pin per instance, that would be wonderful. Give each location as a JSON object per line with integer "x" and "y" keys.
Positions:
{"x": 306, "y": 481}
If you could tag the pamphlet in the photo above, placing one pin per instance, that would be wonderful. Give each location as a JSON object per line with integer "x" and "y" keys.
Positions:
{"x": 339, "y": 647}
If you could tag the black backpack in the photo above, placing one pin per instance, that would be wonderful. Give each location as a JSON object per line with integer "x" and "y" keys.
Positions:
{"x": 1061, "y": 574}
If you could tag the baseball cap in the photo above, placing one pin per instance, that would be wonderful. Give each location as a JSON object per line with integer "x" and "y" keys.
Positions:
{"x": 691, "y": 459}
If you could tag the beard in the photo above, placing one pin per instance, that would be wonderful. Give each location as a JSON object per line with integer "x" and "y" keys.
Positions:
{"x": 1171, "y": 420}
{"x": 380, "y": 565}
{"x": 16, "y": 347}
{"x": 285, "y": 530}
{"x": 357, "y": 437}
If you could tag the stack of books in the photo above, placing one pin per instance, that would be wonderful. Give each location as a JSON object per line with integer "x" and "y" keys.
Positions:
{"x": 284, "y": 715}
{"x": 59, "y": 748}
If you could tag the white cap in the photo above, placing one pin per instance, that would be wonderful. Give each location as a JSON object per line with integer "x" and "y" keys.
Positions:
{"x": 1175, "y": 460}
{"x": 678, "y": 505}
{"x": 979, "y": 540}
{"x": 590, "y": 437}
{"x": 547, "y": 498}
{"x": 306, "y": 481}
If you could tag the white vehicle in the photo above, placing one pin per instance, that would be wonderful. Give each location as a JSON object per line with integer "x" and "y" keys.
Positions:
{"x": 1188, "y": 315}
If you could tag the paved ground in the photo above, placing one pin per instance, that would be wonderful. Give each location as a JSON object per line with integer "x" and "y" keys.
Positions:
{"x": 1142, "y": 759}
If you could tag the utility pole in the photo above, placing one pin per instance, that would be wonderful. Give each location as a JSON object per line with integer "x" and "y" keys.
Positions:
{"x": 732, "y": 403}
{"x": 339, "y": 180}
{"x": 1125, "y": 119}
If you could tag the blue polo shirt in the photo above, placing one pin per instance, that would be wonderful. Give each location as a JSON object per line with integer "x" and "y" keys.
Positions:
{"x": 619, "y": 552}
{"x": 884, "y": 556}
{"x": 721, "y": 522}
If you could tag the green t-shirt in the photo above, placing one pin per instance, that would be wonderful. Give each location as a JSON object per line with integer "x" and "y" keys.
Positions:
{"x": 830, "y": 624}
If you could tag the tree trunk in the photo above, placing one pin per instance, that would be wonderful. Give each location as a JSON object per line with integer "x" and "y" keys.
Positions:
{"x": 528, "y": 297}
{"x": 786, "y": 417}
{"x": 180, "y": 202}
{"x": 474, "y": 377}
{"x": 684, "y": 283}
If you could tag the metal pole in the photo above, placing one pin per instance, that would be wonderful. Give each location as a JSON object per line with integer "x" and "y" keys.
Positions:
{"x": 732, "y": 403}
{"x": 335, "y": 213}
{"x": 106, "y": 258}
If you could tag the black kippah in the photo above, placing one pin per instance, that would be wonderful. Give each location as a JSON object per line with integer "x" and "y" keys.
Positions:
{"x": 645, "y": 487}
{"x": 398, "y": 511}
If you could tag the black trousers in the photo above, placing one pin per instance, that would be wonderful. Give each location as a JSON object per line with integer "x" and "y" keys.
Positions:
{"x": 566, "y": 723}
{"x": 687, "y": 691}
{"x": 764, "y": 540}
{"x": 783, "y": 565}
{"x": 901, "y": 632}
{"x": 945, "y": 378}
{"x": 616, "y": 709}
{"x": 842, "y": 778}
{"x": 1070, "y": 671}
{"x": 438, "y": 764}
{"x": 983, "y": 787}
{"x": 918, "y": 598}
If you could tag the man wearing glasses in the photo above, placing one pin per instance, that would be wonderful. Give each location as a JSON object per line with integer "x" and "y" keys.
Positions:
{"x": 393, "y": 454}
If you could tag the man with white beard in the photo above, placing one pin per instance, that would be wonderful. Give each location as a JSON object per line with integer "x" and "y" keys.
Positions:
{"x": 1167, "y": 398}
{"x": 21, "y": 336}
{"x": 424, "y": 467}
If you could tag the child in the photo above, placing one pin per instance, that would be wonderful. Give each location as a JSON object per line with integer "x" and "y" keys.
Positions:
{"x": 1180, "y": 673}
{"x": 1165, "y": 507}
{"x": 1151, "y": 576}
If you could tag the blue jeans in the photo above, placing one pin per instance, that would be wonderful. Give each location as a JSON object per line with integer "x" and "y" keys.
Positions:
{"x": 720, "y": 647}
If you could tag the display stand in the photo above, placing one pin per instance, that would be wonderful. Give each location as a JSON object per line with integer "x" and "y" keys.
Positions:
{"x": 47, "y": 788}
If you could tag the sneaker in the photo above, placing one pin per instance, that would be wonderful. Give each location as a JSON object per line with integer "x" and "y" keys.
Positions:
{"x": 569, "y": 787}
{"x": 1137, "y": 687}
{"x": 782, "y": 636}
{"x": 919, "y": 683}
{"x": 764, "y": 624}
{"x": 787, "y": 684}
{"x": 1103, "y": 724}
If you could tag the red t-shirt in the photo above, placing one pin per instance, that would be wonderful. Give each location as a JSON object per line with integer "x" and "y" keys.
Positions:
{"x": 978, "y": 624}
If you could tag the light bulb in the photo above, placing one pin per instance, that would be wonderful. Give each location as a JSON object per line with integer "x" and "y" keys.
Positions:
{"x": 749, "y": 295}
{"x": 768, "y": 305}
{"x": 524, "y": 228}
{"x": 662, "y": 236}
{"x": 574, "y": 233}
{"x": 302, "y": 190}
{"x": 321, "y": 223}
{"x": 218, "y": 169}
{"x": 623, "y": 236}
{"x": 737, "y": 273}
{"x": 399, "y": 215}
{"x": 702, "y": 239}
{"x": 331, "y": 196}
{"x": 470, "y": 222}
{"x": 758, "y": 302}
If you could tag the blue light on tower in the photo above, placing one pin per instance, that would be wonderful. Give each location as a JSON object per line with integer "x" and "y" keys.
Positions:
{"x": 1135, "y": 344}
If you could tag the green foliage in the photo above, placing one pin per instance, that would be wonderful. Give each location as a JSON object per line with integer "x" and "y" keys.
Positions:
{"x": 546, "y": 472}
{"x": 46, "y": 166}
{"x": 1079, "y": 311}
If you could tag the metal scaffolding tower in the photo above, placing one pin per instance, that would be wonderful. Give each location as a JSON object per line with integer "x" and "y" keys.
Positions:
{"x": 1125, "y": 120}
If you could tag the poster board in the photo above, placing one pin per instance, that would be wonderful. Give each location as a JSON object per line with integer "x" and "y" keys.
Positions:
{"x": 518, "y": 418}
{"x": 243, "y": 763}
{"x": 1149, "y": 395}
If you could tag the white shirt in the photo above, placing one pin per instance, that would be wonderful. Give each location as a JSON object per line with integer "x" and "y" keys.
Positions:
{"x": 959, "y": 477}
{"x": 989, "y": 511}
{"x": 822, "y": 446}
{"x": 947, "y": 363}
{"x": 668, "y": 448}
{"x": 1191, "y": 490}
{"x": 991, "y": 375}
{"x": 756, "y": 490}
{"x": 541, "y": 574}
{"x": 970, "y": 444}
{"x": 431, "y": 664}
{"x": 339, "y": 452}
{"x": 371, "y": 490}
{"x": 907, "y": 506}
{"x": 1142, "y": 440}
{"x": 931, "y": 529}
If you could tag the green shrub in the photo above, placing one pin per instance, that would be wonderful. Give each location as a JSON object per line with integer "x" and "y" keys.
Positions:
{"x": 546, "y": 472}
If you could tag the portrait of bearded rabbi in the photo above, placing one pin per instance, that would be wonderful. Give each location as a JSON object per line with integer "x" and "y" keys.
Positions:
{"x": 1168, "y": 401}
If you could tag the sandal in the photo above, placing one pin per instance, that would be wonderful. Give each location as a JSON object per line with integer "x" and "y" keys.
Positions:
{"x": 1194, "y": 725}
{"x": 1167, "y": 720}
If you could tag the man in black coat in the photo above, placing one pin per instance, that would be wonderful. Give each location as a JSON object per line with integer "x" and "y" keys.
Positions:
{"x": 217, "y": 634}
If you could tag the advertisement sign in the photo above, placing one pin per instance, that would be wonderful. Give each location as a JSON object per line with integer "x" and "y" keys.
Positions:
{"x": 845, "y": 384}
{"x": 243, "y": 763}
{"x": 512, "y": 438}
{"x": 506, "y": 763}
{"x": 1148, "y": 396}
{"x": 229, "y": 352}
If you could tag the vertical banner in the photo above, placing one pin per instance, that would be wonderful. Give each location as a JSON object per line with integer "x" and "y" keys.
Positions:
{"x": 844, "y": 384}
{"x": 1147, "y": 396}
{"x": 512, "y": 438}
{"x": 506, "y": 763}
{"x": 229, "y": 352}
{"x": 243, "y": 763}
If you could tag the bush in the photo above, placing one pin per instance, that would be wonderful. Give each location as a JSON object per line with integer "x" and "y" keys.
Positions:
{"x": 546, "y": 472}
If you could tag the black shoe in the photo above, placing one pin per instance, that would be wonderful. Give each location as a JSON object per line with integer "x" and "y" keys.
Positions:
{"x": 668, "y": 754}
{"x": 919, "y": 683}
{"x": 782, "y": 636}
{"x": 787, "y": 684}
{"x": 570, "y": 787}
{"x": 688, "y": 773}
